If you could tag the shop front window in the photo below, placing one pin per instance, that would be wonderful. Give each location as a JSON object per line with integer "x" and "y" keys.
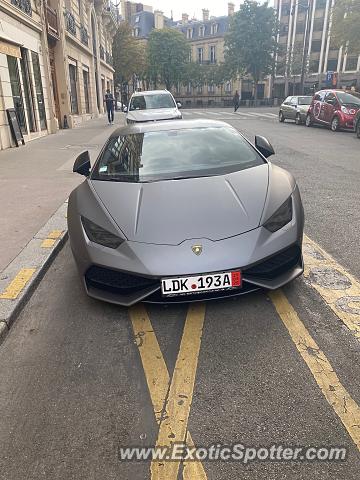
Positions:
{"x": 86, "y": 90}
{"x": 16, "y": 92}
{"x": 28, "y": 91}
{"x": 39, "y": 90}
{"x": 73, "y": 89}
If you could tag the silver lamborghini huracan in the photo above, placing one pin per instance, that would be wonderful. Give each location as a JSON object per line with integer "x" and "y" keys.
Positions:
{"x": 181, "y": 211}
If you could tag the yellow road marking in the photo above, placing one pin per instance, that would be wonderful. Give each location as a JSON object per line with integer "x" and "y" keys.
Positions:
{"x": 55, "y": 234}
{"x": 48, "y": 243}
{"x": 13, "y": 290}
{"x": 338, "y": 288}
{"x": 345, "y": 407}
{"x": 158, "y": 380}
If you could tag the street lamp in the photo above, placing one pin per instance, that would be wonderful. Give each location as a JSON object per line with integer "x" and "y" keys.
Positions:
{"x": 307, "y": 8}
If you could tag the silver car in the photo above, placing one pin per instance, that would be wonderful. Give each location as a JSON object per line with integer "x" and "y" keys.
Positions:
{"x": 295, "y": 108}
{"x": 154, "y": 105}
{"x": 182, "y": 211}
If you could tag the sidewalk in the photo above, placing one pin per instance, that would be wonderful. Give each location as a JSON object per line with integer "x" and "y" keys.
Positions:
{"x": 37, "y": 178}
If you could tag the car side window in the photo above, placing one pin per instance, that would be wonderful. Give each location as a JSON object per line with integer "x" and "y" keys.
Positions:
{"x": 293, "y": 101}
{"x": 330, "y": 98}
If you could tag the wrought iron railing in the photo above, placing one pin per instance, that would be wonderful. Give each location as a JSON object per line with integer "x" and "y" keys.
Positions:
{"x": 24, "y": 5}
{"x": 109, "y": 58}
{"x": 70, "y": 23}
{"x": 84, "y": 36}
{"x": 52, "y": 21}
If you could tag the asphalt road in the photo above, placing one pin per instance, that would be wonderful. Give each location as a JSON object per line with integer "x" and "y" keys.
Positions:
{"x": 79, "y": 378}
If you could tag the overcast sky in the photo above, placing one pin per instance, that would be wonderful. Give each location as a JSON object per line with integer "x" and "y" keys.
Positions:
{"x": 192, "y": 7}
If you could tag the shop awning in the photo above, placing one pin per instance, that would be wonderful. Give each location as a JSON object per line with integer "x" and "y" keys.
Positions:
{"x": 8, "y": 46}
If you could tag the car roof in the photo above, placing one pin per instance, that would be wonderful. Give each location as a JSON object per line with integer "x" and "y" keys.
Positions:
{"x": 167, "y": 125}
{"x": 150, "y": 92}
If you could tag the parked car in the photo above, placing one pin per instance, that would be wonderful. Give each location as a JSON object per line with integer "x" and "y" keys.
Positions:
{"x": 152, "y": 105}
{"x": 357, "y": 124}
{"x": 159, "y": 218}
{"x": 334, "y": 108}
{"x": 295, "y": 108}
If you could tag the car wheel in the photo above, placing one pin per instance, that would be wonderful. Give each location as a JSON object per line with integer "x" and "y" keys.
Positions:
{"x": 298, "y": 119}
{"x": 358, "y": 130}
{"x": 281, "y": 117}
{"x": 308, "y": 121}
{"x": 334, "y": 124}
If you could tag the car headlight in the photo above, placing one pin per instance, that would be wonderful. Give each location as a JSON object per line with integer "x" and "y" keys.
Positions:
{"x": 99, "y": 235}
{"x": 281, "y": 217}
{"x": 345, "y": 110}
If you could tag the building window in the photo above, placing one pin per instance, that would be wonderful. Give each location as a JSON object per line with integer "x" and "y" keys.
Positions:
{"x": 73, "y": 89}
{"x": 314, "y": 66}
{"x": 200, "y": 89}
{"x": 39, "y": 90}
{"x": 136, "y": 32}
{"x": 28, "y": 92}
{"x": 16, "y": 92}
{"x": 316, "y": 46}
{"x": 351, "y": 63}
{"x": 214, "y": 28}
{"x": 189, "y": 33}
{"x": 188, "y": 89}
{"x": 86, "y": 90}
{"x": 300, "y": 27}
{"x": 228, "y": 87}
{"x": 285, "y": 10}
{"x": 211, "y": 88}
{"x": 319, "y": 24}
{"x": 212, "y": 54}
{"x": 200, "y": 56}
{"x": 190, "y": 56}
{"x": 137, "y": 19}
{"x": 320, "y": 4}
{"x": 201, "y": 31}
{"x": 332, "y": 65}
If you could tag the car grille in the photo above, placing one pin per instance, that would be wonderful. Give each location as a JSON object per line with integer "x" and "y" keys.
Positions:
{"x": 117, "y": 282}
{"x": 275, "y": 265}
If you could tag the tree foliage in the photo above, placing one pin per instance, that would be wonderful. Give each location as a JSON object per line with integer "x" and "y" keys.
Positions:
{"x": 346, "y": 25}
{"x": 128, "y": 54}
{"x": 250, "y": 41}
{"x": 167, "y": 52}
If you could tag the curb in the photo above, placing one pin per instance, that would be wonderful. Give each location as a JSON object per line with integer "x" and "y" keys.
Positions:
{"x": 20, "y": 278}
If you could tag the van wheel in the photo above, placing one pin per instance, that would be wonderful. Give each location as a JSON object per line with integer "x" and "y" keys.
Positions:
{"x": 335, "y": 124}
{"x": 308, "y": 121}
{"x": 358, "y": 130}
{"x": 281, "y": 117}
{"x": 298, "y": 119}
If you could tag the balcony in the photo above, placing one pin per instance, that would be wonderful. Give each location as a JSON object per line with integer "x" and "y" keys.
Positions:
{"x": 52, "y": 23}
{"x": 84, "y": 36}
{"x": 70, "y": 24}
{"x": 23, "y": 5}
{"x": 109, "y": 58}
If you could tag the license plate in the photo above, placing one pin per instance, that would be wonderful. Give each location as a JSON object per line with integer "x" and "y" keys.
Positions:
{"x": 201, "y": 283}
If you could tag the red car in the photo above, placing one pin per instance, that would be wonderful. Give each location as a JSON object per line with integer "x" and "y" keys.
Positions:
{"x": 334, "y": 108}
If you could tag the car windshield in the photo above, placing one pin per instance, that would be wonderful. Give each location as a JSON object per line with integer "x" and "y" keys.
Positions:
{"x": 150, "y": 102}
{"x": 305, "y": 100}
{"x": 348, "y": 99}
{"x": 175, "y": 154}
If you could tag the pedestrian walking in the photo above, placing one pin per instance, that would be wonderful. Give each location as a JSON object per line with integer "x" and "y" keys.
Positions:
{"x": 110, "y": 103}
{"x": 236, "y": 101}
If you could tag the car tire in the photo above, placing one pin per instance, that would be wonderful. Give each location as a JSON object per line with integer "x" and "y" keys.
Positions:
{"x": 335, "y": 124}
{"x": 281, "y": 117}
{"x": 298, "y": 119}
{"x": 358, "y": 129}
{"x": 308, "y": 121}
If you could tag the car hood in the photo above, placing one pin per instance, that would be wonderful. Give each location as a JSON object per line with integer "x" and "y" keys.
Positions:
{"x": 169, "y": 212}
{"x": 153, "y": 114}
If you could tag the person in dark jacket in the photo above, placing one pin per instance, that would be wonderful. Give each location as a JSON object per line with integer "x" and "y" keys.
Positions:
{"x": 110, "y": 103}
{"x": 236, "y": 101}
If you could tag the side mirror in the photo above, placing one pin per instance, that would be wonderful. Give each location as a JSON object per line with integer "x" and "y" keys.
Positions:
{"x": 82, "y": 164}
{"x": 179, "y": 105}
{"x": 264, "y": 146}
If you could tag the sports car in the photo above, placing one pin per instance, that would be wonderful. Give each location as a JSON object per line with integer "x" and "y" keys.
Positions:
{"x": 182, "y": 211}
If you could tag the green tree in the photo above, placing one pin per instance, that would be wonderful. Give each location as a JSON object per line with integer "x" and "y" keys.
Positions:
{"x": 167, "y": 52}
{"x": 346, "y": 25}
{"x": 250, "y": 41}
{"x": 128, "y": 54}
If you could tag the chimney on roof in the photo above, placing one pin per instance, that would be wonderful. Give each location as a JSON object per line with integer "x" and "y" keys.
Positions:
{"x": 205, "y": 14}
{"x": 159, "y": 19}
{"x": 231, "y": 9}
{"x": 184, "y": 18}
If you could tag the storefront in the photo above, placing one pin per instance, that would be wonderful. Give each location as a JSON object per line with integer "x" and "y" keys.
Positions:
{"x": 23, "y": 84}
